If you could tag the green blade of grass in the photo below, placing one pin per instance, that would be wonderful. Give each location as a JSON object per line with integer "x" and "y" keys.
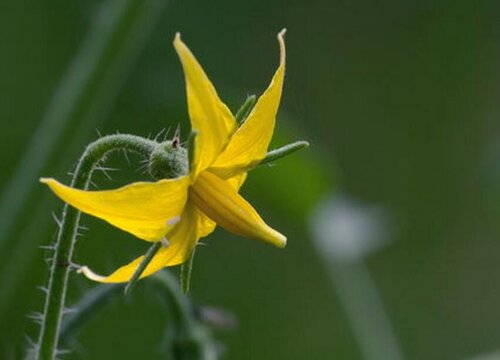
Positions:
{"x": 84, "y": 97}
{"x": 95, "y": 75}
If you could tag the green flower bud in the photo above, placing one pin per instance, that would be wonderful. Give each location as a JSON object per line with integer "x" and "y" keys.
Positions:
{"x": 168, "y": 160}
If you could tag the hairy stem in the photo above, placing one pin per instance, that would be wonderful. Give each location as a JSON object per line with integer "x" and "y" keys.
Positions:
{"x": 66, "y": 237}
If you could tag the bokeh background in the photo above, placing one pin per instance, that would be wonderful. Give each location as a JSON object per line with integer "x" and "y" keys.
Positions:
{"x": 400, "y": 101}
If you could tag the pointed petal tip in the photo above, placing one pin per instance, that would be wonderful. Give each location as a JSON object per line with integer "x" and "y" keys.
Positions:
{"x": 281, "y": 39}
{"x": 278, "y": 239}
{"x": 50, "y": 182}
{"x": 272, "y": 236}
{"x": 177, "y": 41}
{"x": 89, "y": 274}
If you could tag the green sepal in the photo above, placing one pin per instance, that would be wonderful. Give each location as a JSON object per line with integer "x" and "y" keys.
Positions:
{"x": 186, "y": 270}
{"x": 168, "y": 160}
{"x": 283, "y": 151}
{"x": 153, "y": 249}
{"x": 245, "y": 109}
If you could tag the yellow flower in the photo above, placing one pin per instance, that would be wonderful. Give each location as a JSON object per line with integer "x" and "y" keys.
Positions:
{"x": 208, "y": 195}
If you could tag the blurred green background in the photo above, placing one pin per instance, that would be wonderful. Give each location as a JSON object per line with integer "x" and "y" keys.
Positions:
{"x": 399, "y": 100}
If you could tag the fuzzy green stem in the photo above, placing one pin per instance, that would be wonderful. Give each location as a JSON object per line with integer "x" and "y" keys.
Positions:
{"x": 66, "y": 238}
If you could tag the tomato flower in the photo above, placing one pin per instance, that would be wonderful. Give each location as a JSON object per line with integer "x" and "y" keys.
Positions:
{"x": 180, "y": 211}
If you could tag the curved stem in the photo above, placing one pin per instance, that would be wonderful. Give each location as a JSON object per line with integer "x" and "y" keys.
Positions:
{"x": 66, "y": 237}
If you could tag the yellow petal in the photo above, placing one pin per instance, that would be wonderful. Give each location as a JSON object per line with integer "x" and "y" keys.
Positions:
{"x": 210, "y": 117}
{"x": 248, "y": 145}
{"x": 221, "y": 202}
{"x": 237, "y": 181}
{"x": 207, "y": 225}
{"x": 142, "y": 209}
{"x": 182, "y": 239}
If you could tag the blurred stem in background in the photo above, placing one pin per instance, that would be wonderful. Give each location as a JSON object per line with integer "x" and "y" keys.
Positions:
{"x": 84, "y": 96}
{"x": 345, "y": 232}
{"x": 186, "y": 338}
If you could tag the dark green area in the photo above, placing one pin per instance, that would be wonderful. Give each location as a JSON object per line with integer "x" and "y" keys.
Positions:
{"x": 399, "y": 100}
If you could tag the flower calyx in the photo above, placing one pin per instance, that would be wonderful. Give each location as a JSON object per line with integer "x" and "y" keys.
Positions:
{"x": 168, "y": 160}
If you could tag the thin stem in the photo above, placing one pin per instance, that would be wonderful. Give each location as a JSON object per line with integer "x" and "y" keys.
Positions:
{"x": 66, "y": 238}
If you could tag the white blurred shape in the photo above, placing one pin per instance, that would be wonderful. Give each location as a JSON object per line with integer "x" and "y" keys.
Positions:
{"x": 490, "y": 356}
{"x": 348, "y": 230}
{"x": 345, "y": 232}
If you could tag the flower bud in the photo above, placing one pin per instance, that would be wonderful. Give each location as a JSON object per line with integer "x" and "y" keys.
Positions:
{"x": 168, "y": 161}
